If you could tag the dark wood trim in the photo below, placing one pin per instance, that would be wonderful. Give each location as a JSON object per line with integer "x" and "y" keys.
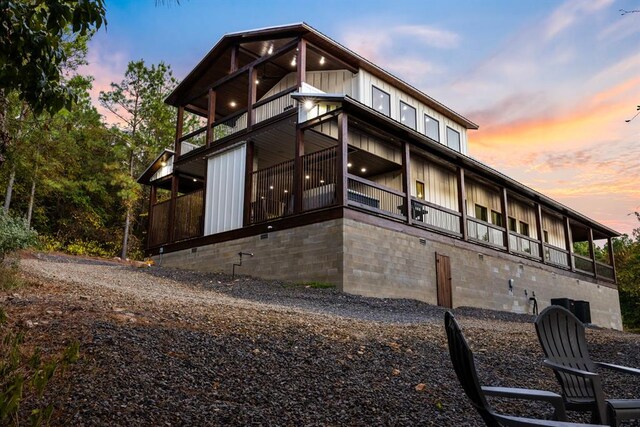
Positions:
{"x": 328, "y": 56}
{"x": 248, "y": 182}
{"x": 179, "y": 125}
{"x": 342, "y": 155}
{"x": 298, "y": 172}
{"x": 612, "y": 258}
{"x": 592, "y": 253}
{"x": 569, "y": 242}
{"x": 251, "y": 97}
{"x": 436, "y": 206}
{"x": 301, "y": 62}
{"x": 462, "y": 204}
{"x": 276, "y": 96}
{"x": 153, "y": 198}
{"x": 233, "y": 65}
{"x": 377, "y": 211}
{"x": 406, "y": 180}
{"x": 504, "y": 206}
{"x": 320, "y": 119}
{"x": 211, "y": 116}
{"x": 376, "y": 185}
{"x": 192, "y": 134}
{"x": 172, "y": 207}
{"x": 196, "y": 110}
{"x": 540, "y": 231}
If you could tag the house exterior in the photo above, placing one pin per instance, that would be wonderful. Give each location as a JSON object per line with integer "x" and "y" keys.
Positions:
{"x": 327, "y": 168}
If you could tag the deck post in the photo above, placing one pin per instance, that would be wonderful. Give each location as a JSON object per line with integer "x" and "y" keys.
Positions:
{"x": 406, "y": 180}
{"x": 251, "y": 96}
{"x": 248, "y": 184}
{"x": 539, "y": 231}
{"x": 153, "y": 198}
{"x": 211, "y": 115}
{"x": 504, "y": 206}
{"x": 341, "y": 159}
{"x": 569, "y": 242}
{"x": 462, "y": 204}
{"x": 301, "y": 62}
{"x": 179, "y": 122}
{"x": 172, "y": 207}
{"x": 298, "y": 178}
{"x": 592, "y": 253}
{"x": 612, "y": 259}
{"x": 233, "y": 65}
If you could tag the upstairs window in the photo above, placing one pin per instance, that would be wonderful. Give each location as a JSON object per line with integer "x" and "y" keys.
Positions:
{"x": 407, "y": 115}
{"x": 524, "y": 228}
{"x": 545, "y": 233}
{"x": 481, "y": 212}
{"x": 381, "y": 101}
{"x": 496, "y": 218}
{"x": 513, "y": 225}
{"x": 453, "y": 139}
{"x": 420, "y": 190}
{"x": 432, "y": 127}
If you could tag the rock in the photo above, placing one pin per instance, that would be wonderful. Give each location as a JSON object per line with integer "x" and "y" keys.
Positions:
{"x": 395, "y": 372}
{"x": 421, "y": 387}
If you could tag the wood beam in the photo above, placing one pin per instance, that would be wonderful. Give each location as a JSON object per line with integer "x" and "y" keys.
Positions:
{"x": 540, "y": 231}
{"x": 504, "y": 206}
{"x": 233, "y": 66}
{"x": 332, "y": 58}
{"x": 172, "y": 208}
{"x": 301, "y": 62}
{"x": 612, "y": 259}
{"x": 298, "y": 173}
{"x": 462, "y": 204}
{"x": 568, "y": 239}
{"x": 211, "y": 115}
{"x": 153, "y": 198}
{"x": 592, "y": 253}
{"x": 341, "y": 159}
{"x": 179, "y": 123}
{"x": 406, "y": 180}
{"x": 196, "y": 110}
{"x": 251, "y": 96}
{"x": 248, "y": 183}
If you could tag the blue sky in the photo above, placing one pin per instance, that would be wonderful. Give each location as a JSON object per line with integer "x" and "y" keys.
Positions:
{"x": 549, "y": 82}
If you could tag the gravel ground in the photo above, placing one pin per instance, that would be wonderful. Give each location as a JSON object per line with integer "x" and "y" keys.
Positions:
{"x": 168, "y": 347}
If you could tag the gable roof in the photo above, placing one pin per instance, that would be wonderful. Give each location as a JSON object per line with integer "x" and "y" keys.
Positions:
{"x": 184, "y": 90}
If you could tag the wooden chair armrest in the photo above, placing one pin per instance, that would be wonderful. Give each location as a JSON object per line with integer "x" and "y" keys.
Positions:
{"x": 569, "y": 370}
{"x": 618, "y": 368}
{"x": 528, "y": 394}
{"x": 511, "y": 421}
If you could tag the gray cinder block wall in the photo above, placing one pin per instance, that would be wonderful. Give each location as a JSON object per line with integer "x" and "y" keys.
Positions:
{"x": 372, "y": 260}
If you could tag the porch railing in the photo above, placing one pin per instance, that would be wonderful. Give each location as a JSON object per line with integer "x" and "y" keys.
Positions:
{"x": 272, "y": 192}
{"x": 193, "y": 140}
{"x": 375, "y": 197}
{"x": 524, "y": 245}
{"x": 485, "y": 232}
{"x": 159, "y": 227}
{"x": 556, "y": 256}
{"x": 189, "y": 209}
{"x": 319, "y": 174}
{"x": 273, "y": 105}
{"x": 435, "y": 216}
{"x": 583, "y": 263}
{"x": 605, "y": 271}
{"x": 230, "y": 125}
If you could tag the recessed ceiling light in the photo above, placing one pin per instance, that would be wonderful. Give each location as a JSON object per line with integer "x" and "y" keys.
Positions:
{"x": 270, "y": 51}
{"x": 271, "y": 187}
{"x": 349, "y": 165}
{"x": 286, "y": 191}
{"x": 363, "y": 170}
{"x": 293, "y": 61}
{"x": 308, "y": 104}
{"x": 322, "y": 181}
{"x": 257, "y": 81}
{"x": 233, "y": 103}
{"x": 322, "y": 60}
{"x": 163, "y": 164}
{"x": 306, "y": 177}
{"x": 195, "y": 180}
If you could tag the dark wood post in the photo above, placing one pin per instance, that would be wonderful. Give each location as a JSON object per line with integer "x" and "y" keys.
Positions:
{"x": 211, "y": 115}
{"x": 462, "y": 204}
{"x": 233, "y": 66}
{"x": 612, "y": 259}
{"x": 342, "y": 156}
{"x": 298, "y": 173}
{"x": 153, "y": 198}
{"x": 248, "y": 183}
{"x": 406, "y": 180}
{"x": 301, "y": 62}
{"x": 569, "y": 242}
{"x": 592, "y": 253}
{"x": 172, "y": 207}
{"x": 504, "y": 206}
{"x": 251, "y": 97}
{"x": 540, "y": 231}
{"x": 179, "y": 123}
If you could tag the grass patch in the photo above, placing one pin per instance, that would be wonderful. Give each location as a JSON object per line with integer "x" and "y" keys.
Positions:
{"x": 10, "y": 277}
{"x": 317, "y": 285}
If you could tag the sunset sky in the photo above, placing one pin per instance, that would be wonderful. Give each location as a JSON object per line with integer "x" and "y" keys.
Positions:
{"x": 550, "y": 83}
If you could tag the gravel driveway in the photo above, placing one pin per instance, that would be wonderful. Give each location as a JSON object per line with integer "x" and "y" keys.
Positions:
{"x": 168, "y": 347}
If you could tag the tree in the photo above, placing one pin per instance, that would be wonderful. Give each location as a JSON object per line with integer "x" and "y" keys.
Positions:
{"x": 627, "y": 254}
{"x": 145, "y": 127}
{"x": 32, "y": 51}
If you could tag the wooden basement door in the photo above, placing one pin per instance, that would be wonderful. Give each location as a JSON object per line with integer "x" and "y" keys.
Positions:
{"x": 443, "y": 279}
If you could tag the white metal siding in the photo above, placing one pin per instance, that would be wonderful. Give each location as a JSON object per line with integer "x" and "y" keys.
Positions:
{"x": 225, "y": 190}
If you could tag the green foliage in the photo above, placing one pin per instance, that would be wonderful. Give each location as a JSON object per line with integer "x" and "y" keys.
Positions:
{"x": 627, "y": 255}
{"x": 87, "y": 248}
{"x": 14, "y": 234}
{"x": 317, "y": 285}
{"x": 10, "y": 278}
{"x": 33, "y": 47}
{"x": 26, "y": 376}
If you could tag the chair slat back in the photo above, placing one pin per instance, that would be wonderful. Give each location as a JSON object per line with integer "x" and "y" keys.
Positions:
{"x": 563, "y": 341}
{"x": 463, "y": 364}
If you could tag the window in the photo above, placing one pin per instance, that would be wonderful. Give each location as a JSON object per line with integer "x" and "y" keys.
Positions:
{"x": 431, "y": 127}
{"x": 453, "y": 139}
{"x": 513, "y": 225}
{"x": 381, "y": 101}
{"x": 545, "y": 233}
{"x": 481, "y": 212}
{"x": 420, "y": 190}
{"x": 407, "y": 115}
{"x": 496, "y": 218}
{"x": 524, "y": 228}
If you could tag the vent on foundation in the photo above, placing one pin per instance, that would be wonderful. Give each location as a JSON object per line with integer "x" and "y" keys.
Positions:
{"x": 264, "y": 236}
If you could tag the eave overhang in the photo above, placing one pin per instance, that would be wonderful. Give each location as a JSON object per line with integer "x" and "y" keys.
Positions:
{"x": 146, "y": 176}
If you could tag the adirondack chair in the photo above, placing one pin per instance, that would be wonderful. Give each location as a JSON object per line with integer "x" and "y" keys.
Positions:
{"x": 562, "y": 337}
{"x": 463, "y": 364}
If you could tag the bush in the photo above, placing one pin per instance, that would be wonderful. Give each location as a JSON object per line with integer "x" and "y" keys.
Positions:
{"x": 10, "y": 277}
{"x": 86, "y": 248}
{"x": 14, "y": 234}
